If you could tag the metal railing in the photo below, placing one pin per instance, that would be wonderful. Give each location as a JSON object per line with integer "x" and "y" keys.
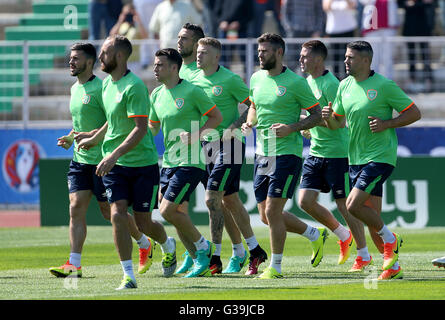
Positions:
{"x": 35, "y": 81}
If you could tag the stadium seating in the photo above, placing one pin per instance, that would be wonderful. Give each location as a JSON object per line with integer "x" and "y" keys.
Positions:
{"x": 45, "y": 22}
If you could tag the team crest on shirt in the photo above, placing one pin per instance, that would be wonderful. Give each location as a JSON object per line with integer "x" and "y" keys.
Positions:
{"x": 217, "y": 90}
{"x": 119, "y": 96}
{"x": 371, "y": 94}
{"x": 86, "y": 99}
{"x": 281, "y": 91}
{"x": 179, "y": 102}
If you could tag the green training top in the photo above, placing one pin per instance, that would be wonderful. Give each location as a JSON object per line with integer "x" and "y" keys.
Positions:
{"x": 327, "y": 143}
{"x": 189, "y": 71}
{"x": 226, "y": 89}
{"x": 123, "y": 100}
{"x": 180, "y": 109}
{"x": 87, "y": 112}
{"x": 376, "y": 96}
{"x": 279, "y": 99}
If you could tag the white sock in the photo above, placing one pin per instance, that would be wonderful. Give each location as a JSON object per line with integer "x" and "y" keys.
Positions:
{"x": 238, "y": 250}
{"x": 201, "y": 244}
{"x": 311, "y": 233}
{"x": 387, "y": 236}
{"x": 342, "y": 233}
{"x": 127, "y": 267}
{"x": 275, "y": 261}
{"x": 218, "y": 247}
{"x": 168, "y": 245}
{"x": 143, "y": 242}
{"x": 363, "y": 252}
{"x": 75, "y": 259}
{"x": 251, "y": 242}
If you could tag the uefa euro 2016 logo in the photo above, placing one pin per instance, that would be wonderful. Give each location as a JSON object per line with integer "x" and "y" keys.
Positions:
{"x": 20, "y": 165}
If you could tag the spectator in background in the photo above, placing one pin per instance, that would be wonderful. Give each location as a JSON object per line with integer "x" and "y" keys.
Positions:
{"x": 259, "y": 9}
{"x": 102, "y": 12}
{"x": 145, "y": 9}
{"x": 210, "y": 23}
{"x": 168, "y": 18}
{"x": 379, "y": 21}
{"x": 130, "y": 26}
{"x": 419, "y": 21}
{"x": 233, "y": 18}
{"x": 301, "y": 19}
{"x": 341, "y": 22}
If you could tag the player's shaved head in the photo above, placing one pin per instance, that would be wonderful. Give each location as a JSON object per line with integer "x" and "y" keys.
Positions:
{"x": 121, "y": 44}
{"x": 316, "y": 47}
{"x": 363, "y": 47}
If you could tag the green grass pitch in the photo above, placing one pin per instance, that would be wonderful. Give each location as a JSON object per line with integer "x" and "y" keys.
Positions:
{"x": 27, "y": 253}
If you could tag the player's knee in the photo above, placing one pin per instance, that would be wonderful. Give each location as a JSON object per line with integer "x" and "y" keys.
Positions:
{"x": 167, "y": 213}
{"x": 352, "y": 207}
{"x": 213, "y": 203}
{"x": 118, "y": 218}
{"x": 78, "y": 210}
{"x": 77, "y": 203}
{"x": 264, "y": 219}
{"x": 305, "y": 204}
{"x": 105, "y": 210}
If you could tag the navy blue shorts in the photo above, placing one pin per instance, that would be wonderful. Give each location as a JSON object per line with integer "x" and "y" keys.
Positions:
{"x": 224, "y": 161}
{"x": 276, "y": 177}
{"x": 138, "y": 185}
{"x": 178, "y": 183}
{"x": 370, "y": 177}
{"x": 326, "y": 174}
{"x": 82, "y": 176}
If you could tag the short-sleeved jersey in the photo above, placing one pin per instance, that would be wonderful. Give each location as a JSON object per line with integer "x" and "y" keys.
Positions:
{"x": 279, "y": 99}
{"x": 189, "y": 71}
{"x": 87, "y": 113}
{"x": 180, "y": 109}
{"x": 124, "y": 100}
{"x": 327, "y": 143}
{"x": 376, "y": 96}
{"x": 226, "y": 89}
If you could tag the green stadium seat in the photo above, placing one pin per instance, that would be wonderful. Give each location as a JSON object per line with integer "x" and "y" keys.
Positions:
{"x": 35, "y": 60}
{"x": 16, "y": 75}
{"x": 6, "y": 104}
{"x": 11, "y": 89}
{"x": 58, "y": 6}
{"x": 41, "y": 33}
{"x": 52, "y": 19}
{"x": 45, "y": 23}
